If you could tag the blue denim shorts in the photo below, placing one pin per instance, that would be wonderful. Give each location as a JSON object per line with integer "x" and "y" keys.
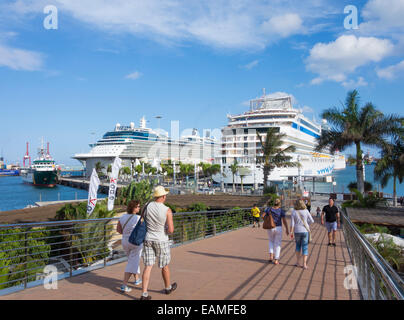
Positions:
{"x": 302, "y": 242}
{"x": 331, "y": 226}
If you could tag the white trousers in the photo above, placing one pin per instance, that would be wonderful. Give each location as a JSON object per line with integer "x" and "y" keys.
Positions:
{"x": 275, "y": 241}
{"x": 134, "y": 253}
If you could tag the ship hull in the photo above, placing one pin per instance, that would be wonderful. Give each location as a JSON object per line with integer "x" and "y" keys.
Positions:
{"x": 40, "y": 178}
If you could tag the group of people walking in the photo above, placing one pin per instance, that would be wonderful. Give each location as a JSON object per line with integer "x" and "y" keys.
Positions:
{"x": 299, "y": 230}
{"x": 159, "y": 221}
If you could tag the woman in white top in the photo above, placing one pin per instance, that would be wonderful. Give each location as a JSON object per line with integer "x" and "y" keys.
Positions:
{"x": 299, "y": 229}
{"x": 126, "y": 224}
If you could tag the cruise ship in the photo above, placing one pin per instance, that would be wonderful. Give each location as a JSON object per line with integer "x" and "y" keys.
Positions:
{"x": 132, "y": 144}
{"x": 240, "y": 143}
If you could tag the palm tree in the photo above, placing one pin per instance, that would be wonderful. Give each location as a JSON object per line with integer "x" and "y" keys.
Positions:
{"x": 99, "y": 167}
{"x": 391, "y": 165}
{"x": 273, "y": 155}
{"x": 356, "y": 126}
{"x": 234, "y": 169}
{"x": 109, "y": 169}
{"x": 186, "y": 170}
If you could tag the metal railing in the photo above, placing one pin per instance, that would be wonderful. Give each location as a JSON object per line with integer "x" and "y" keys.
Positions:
{"x": 377, "y": 280}
{"x": 78, "y": 246}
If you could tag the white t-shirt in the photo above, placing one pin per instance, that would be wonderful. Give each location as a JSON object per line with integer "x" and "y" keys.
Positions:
{"x": 130, "y": 225}
{"x": 156, "y": 216}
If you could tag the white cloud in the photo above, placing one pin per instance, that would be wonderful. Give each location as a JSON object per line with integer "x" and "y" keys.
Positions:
{"x": 19, "y": 59}
{"x": 337, "y": 59}
{"x": 134, "y": 75}
{"x": 284, "y": 25}
{"x": 352, "y": 84}
{"x": 382, "y": 17}
{"x": 391, "y": 72}
{"x": 307, "y": 109}
{"x": 250, "y": 65}
{"x": 229, "y": 24}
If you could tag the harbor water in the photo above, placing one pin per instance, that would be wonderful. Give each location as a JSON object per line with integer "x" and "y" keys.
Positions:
{"x": 14, "y": 194}
{"x": 348, "y": 175}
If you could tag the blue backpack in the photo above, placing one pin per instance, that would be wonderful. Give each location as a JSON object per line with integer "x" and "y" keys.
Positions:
{"x": 139, "y": 232}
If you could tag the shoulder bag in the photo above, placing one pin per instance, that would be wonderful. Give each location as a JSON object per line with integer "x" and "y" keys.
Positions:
{"x": 269, "y": 222}
{"x": 305, "y": 224}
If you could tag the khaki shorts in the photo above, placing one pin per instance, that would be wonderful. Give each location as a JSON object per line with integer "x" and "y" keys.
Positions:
{"x": 156, "y": 249}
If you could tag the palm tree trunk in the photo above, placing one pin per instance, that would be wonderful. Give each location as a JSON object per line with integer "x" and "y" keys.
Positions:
{"x": 394, "y": 192}
{"x": 234, "y": 186}
{"x": 242, "y": 190}
{"x": 359, "y": 169}
{"x": 265, "y": 176}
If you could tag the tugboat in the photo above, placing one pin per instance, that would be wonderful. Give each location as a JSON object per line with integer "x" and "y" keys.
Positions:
{"x": 43, "y": 171}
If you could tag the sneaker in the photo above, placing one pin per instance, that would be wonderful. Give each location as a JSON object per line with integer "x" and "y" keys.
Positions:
{"x": 333, "y": 244}
{"x": 329, "y": 244}
{"x": 137, "y": 282}
{"x": 145, "y": 298}
{"x": 125, "y": 288}
{"x": 173, "y": 287}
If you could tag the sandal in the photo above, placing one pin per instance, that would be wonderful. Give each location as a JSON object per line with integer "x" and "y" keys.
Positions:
{"x": 276, "y": 262}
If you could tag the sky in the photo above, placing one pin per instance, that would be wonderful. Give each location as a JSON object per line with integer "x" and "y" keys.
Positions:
{"x": 100, "y": 62}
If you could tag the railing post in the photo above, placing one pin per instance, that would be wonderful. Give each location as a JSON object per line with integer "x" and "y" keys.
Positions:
{"x": 71, "y": 254}
{"x": 26, "y": 259}
{"x": 105, "y": 244}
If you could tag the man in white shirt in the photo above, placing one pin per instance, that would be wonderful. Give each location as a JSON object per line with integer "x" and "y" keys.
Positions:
{"x": 159, "y": 222}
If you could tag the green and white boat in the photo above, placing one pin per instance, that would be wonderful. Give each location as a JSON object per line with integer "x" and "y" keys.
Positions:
{"x": 43, "y": 171}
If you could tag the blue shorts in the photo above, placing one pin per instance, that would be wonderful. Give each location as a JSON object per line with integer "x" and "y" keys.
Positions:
{"x": 302, "y": 242}
{"x": 331, "y": 226}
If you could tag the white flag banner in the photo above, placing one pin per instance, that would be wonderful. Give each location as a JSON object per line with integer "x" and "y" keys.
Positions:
{"x": 92, "y": 192}
{"x": 113, "y": 182}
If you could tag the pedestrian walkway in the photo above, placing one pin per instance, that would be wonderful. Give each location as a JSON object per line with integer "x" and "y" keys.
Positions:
{"x": 233, "y": 265}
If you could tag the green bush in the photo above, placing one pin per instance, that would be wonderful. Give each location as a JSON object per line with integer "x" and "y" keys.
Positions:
{"x": 141, "y": 191}
{"x": 391, "y": 252}
{"x": 87, "y": 239}
{"x": 353, "y": 186}
{"x": 270, "y": 189}
{"x": 198, "y": 207}
{"x": 13, "y": 258}
{"x": 368, "y": 201}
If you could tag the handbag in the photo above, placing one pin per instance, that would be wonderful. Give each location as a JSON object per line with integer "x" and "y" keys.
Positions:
{"x": 138, "y": 234}
{"x": 305, "y": 225}
{"x": 269, "y": 222}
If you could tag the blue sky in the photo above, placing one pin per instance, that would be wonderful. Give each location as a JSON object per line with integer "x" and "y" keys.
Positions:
{"x": 192, "y": 61}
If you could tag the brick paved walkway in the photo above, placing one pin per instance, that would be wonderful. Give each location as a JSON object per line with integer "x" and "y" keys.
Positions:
{"x": 230, "y": 266}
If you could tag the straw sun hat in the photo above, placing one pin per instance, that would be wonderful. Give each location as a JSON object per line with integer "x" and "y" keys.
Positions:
{"x": 159, "y": 191}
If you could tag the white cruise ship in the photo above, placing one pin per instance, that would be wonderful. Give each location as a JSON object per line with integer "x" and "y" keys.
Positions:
{"x": 145, "y": 144}
{"x": 240, "y": 143}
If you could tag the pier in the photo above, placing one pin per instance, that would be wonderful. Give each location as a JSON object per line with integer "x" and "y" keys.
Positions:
{"x": 217, "y": 269}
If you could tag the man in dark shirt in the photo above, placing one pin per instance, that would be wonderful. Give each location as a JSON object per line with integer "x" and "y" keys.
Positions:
{"x": 332, "y": 221}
